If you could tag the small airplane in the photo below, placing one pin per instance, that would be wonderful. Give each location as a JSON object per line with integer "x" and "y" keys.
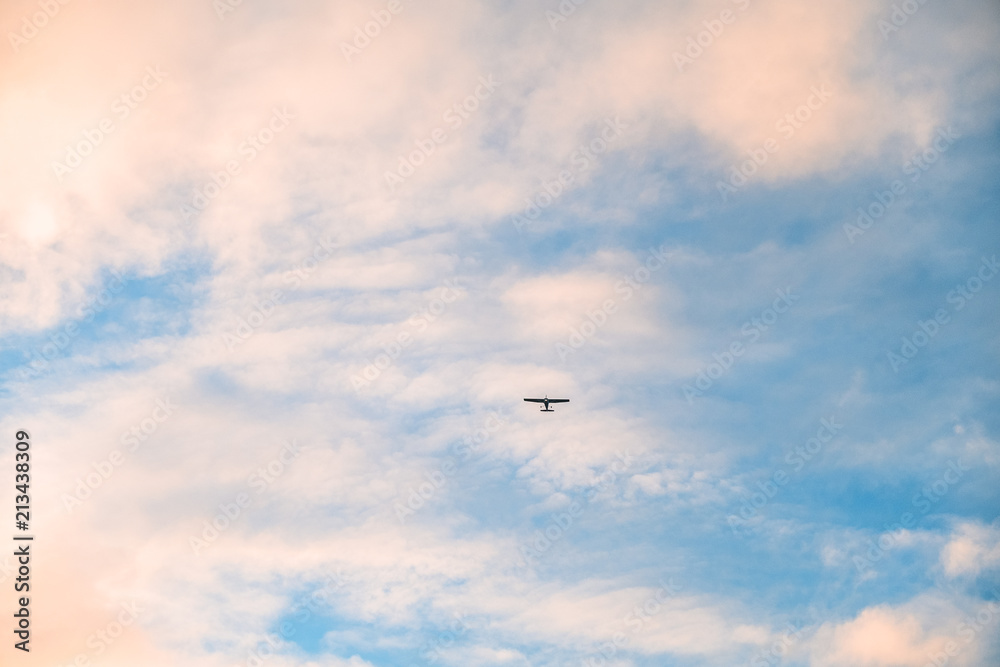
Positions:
{"x": 546, "y": 401}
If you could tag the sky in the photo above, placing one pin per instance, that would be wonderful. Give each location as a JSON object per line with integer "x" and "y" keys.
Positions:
{"x": 277, "y": 276}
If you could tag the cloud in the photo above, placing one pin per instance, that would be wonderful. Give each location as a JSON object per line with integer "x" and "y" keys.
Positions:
{"x": 208, "y": 211}
{"x": 971, "y": 550}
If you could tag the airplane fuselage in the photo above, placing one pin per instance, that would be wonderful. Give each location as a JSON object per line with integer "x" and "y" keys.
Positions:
{"x": 545, "y": 401}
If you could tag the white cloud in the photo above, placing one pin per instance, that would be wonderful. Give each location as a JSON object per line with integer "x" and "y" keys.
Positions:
{"x": 324, "y": 175}
{"x": 972, "y": 549}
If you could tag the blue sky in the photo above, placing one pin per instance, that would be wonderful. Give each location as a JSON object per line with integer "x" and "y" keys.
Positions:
{"x": 292, "y": 431}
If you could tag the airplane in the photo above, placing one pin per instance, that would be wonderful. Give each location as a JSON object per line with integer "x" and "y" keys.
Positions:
{"x": 546, "y": 401}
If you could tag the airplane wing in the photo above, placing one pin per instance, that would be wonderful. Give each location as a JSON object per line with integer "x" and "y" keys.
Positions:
{"x": 558, "y": 400}
{"x": 536, "y": 400}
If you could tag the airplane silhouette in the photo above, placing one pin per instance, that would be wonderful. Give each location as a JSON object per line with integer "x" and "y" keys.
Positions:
{"x": 546, "y": 401}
